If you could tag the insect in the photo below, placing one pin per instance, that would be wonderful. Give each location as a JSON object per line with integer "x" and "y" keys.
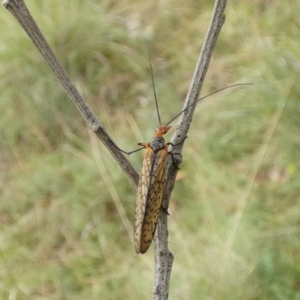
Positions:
{"x": 150, "y": 189}
{"x": 152, "y": 179}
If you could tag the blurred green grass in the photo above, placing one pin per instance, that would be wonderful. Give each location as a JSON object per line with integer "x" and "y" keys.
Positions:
{"x": 66, "y": 208}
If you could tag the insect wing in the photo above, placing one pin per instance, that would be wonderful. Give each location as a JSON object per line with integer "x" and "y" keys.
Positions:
{"x": 149, "y": 197}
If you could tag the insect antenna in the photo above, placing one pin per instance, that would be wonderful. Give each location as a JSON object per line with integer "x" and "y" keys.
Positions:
{"x": 153, "y": 86}
{"x": 224, "y": 88}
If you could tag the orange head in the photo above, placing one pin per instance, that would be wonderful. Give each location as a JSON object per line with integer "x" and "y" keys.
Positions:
{"x": 161, "y": 130}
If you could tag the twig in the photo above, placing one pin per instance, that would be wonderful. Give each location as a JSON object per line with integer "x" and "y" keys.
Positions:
{"x": 163, "y": 257}
{"x": 20, "y": 11}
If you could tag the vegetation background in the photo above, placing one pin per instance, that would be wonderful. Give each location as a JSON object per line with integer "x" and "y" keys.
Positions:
{"x": 66, "y": 208}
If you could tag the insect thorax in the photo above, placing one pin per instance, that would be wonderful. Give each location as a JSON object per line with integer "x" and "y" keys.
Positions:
{"x": 157, "y": 144}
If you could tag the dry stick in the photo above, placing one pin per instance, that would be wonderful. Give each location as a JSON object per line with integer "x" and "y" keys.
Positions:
{"x": 163, "y": 257}
{"x": 20, "y": 11}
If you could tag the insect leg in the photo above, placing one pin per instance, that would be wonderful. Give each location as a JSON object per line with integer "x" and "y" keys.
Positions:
{"x": 165, "y": 210}
{"x": 171, "y": 153}
{"x": 128, "y": 153}
{"x": 145, "y": 145}
{"x": 174, "y": 161}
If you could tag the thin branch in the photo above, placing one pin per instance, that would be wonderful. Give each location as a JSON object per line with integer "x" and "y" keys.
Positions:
{"x": 20, "y": 11}
{"x": 163, "y": 257}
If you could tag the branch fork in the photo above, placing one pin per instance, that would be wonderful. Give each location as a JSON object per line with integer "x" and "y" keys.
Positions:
{"x": 163, "y": 257}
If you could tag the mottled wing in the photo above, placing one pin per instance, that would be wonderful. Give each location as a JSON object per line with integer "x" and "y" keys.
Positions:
{"x": 149, "y": 197}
